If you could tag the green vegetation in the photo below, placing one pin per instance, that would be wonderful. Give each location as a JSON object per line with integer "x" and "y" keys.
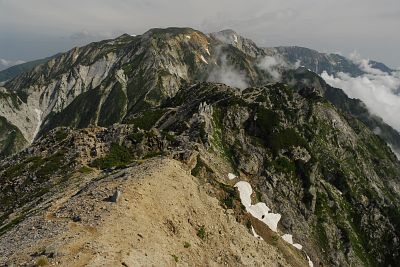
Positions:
{"x": 138, "y": 136}
{"x": 201, "y": 232}
{"x": 266, "y": 130}
{"x": 16, "y": 70}
{"x": 218, "y": 137}
{"x": 147, "y": 119}
{"x": 85, "y": 169}
{"x": 113, "y": 108}
{"x": 344, "y": 219}
{"x": 42, "y": 261}
{"x": 61, "y": 134}
{"x": 267, "y": 120}
{"x": 282, "y": 165}
{"x": 153, "y": 154}
{"x": 231, "y": 196}
{"x": 16, "y": 102}
{"x": 41, "y": 167}
{"x": 200, "y": 167}
{"x": 116, "y": 157}
{"x": 49, "y": 165}
{"x": 285, "y": 139}
{"x": 11, "y": 138}
{"x": 10, "y": 225}
{"x": 186, "y": 245}
{"x": 79, "y": 114}
{"x": 176, "y": 259}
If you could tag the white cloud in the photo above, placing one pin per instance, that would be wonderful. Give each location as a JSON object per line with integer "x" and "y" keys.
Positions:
{"x": 378, "y": 90}
{"x": 228, "y": 74}
{"x": 89, "y": 35}
{"x": 273, "y": 65}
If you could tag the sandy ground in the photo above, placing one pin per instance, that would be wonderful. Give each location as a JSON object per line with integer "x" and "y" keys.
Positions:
{"x": 155, "y": 222}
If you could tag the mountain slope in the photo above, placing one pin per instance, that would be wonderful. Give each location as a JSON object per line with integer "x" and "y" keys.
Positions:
{"x": 94, "y": 119}
{"x": 155, "y": 222}
{"x": 335, "y": 183}
{"x": 110, "y": 81}
{"x": 302, "y": 77}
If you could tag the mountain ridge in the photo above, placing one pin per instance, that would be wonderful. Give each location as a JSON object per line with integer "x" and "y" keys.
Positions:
{"x": 100, "y": 112}
{"x": 325, "y": 172}
{"x": 122, "y": 62}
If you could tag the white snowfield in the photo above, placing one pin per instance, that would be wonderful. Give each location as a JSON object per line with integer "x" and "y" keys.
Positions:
{"x": 262, "y": 212}
{"x": 203, "y": 59}
{"x": 255, "y": 234}
{"x": 310, "y": 263}
{"x": 231, "y": 176}
{"x": 289, "y": 238}
{"x": 259, "y": 210}
{"x": 235, "y": 38}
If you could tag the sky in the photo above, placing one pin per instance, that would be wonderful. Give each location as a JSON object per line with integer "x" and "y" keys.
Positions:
{"x": 32, "y": 29}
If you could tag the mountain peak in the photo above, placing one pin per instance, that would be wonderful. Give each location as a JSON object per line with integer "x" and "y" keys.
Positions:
{"x": 227, "y": 36}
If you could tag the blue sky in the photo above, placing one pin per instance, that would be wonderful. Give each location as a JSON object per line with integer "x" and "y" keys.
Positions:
{"x": 31, "y": 29}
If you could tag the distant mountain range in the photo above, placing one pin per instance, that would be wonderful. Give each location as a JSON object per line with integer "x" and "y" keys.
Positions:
{"x": 16, "y": 70}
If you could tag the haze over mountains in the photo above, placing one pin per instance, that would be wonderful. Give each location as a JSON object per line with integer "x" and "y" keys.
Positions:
{"x": 201, "y": 111}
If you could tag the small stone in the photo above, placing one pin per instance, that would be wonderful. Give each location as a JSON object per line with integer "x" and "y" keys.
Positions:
{"x": 115, "y": 197}
{"x": 76, "y": 218}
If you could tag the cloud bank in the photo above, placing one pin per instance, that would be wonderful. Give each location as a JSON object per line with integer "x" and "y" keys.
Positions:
{"x": 377, "y": 89}
{"x": 46, "y": 26}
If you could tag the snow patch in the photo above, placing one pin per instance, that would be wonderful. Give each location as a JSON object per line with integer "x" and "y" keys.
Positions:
{"x": 231, "y": 176}
{"x": 310, "y": 263}
{"x": 255, "y": 234}
{"x": 39, "y": 118}
{"x": 259, "y": 210}
{"x": 298, "y": 246}
{"x": 245, "y": 191}
{"x": 289, "y": 239}
{"x": 262, "y": 212}
{"x": 203, "y": 59}
{"x": 235, "y": 38}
